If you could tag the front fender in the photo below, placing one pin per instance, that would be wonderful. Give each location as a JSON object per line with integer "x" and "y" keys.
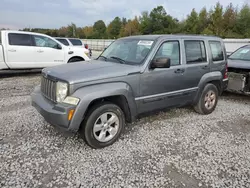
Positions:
{"x": 206, "y": 78}
{"x": 88, "y": 94}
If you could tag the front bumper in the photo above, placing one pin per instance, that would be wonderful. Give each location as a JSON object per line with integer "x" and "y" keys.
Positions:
{"x": 55, "y": 114}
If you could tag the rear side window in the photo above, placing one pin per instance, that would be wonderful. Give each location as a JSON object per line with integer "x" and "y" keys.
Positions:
{"x": 20, "y": 39}
{"x": 76, "y": 42}
{"x": 63, "y": 41}
{"x": 195, "y": 52}
{"x": 217, "y": 51}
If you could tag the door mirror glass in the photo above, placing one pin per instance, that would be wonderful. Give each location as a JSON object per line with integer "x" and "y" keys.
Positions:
{"x": 162, "y": 62}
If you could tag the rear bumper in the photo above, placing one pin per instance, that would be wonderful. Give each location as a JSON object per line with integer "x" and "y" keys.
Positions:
{"x": 55, "y": 114}
{"x": 224, "y": 84}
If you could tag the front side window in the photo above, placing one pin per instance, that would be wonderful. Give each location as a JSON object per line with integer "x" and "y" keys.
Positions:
{"x": 217, "y": 51}
{"x": 241, "y": 54}
{"x": 195, "y": 52}
{"x": 63, "y": 41}
{"x": 76, "y": 42}
{"x": 20, "y": 39}
{"x": 171, "y": 50}
{"x": 129, "y": 51}
{"x": 42, "y": 41}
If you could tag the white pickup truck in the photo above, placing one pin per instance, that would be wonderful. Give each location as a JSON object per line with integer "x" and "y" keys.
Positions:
{"x": 28, "y": 50}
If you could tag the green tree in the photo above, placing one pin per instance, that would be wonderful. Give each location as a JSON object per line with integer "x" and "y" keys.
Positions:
{"x": 192, "y": 22}
{"x": 114, "y": 28}
{"x": 216, "y": 20}
{"x": 145, "y": 23}
{"x": 99, "y": 29}
{"x": 243, "y": 22}
{"x": 229, "y": 21}
{"x": 72, "y": 30}
{"x": 203, "y": 20}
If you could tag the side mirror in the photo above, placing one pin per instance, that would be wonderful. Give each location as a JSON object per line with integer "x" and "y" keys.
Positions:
{"x": 162, "y": 62}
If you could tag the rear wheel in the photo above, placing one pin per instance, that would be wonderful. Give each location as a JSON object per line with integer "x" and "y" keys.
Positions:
{"x": 75, "y": 59}
{"x": 208, "y": 100}
{"x": 103, "y": 125}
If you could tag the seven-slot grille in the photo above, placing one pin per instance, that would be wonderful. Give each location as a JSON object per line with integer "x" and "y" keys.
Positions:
{"x": 48, "y": 88}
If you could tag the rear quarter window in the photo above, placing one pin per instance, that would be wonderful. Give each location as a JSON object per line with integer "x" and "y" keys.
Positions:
{"x": 76, "y": 42}
{"x": 63, "y": 41}
{"x": 217, "y": 50}
{"x": 20, "y": 39}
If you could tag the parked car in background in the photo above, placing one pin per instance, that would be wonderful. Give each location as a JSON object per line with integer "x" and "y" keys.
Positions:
{"x": 134, "y": 75}
{"x": 239, "y": 70}
{"x": 28, "y": 50}
{"x": 74, "y": 42}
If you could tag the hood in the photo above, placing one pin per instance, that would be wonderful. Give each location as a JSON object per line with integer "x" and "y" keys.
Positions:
{"x": 85, "y": 71}
{"x": 240, "y": 64}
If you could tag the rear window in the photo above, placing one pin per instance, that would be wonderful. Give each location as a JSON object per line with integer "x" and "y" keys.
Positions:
{"x": 195, "y": 52}
{"x": 76, "y": 42}
{"x": 63, "y": 41}
{"x": 20, "y": 39}
{"x": 217, "y": 51}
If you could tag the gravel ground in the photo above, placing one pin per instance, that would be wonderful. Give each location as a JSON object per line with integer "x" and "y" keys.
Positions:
{"x": 177, "y": 148}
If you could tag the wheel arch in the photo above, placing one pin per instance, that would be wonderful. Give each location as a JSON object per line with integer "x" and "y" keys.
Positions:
{"x": 118, "y": 93}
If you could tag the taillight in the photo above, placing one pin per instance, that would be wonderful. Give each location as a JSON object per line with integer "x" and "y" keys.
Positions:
{"x": 226, "y": 72}
{"x": 86, "y": 46}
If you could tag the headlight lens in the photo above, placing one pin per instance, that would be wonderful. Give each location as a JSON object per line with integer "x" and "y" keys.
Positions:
{"x": 61, "y": 91}
{"x": 71, "y": 100}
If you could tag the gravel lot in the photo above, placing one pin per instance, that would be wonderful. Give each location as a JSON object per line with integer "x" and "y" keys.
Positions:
{"x": 177, "y": 148}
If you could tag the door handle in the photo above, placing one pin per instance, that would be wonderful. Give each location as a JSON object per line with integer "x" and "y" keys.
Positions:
{"x": 179, "y": 71}
{"x": 205, "y": 67}
{"x": 12, "y": 50}
{"x": 40, "y": 51}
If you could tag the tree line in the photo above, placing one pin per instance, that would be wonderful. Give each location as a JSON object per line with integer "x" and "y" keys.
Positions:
{"x": 226, "y": 22}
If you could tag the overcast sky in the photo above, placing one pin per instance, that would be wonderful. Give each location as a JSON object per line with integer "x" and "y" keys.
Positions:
{"x": 17, "y": 14}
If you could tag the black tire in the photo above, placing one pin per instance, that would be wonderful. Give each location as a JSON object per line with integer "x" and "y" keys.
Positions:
{"x": 200, "y": 107}
{"x": 95, "y": 112}
{"x": 75, "y": 59}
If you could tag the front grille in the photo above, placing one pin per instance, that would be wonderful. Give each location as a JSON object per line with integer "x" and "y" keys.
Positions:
{"x": 48, "y": 88}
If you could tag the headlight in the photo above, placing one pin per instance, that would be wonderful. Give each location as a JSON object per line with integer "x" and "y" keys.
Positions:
{"x": 61, "y": 91}
{"x": 71, "y": 100}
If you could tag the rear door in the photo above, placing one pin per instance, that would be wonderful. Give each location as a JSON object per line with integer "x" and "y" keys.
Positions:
{"x": 48, "y": 52}
{"x": 20, "y": 51}
{"x": 197, "y": 61}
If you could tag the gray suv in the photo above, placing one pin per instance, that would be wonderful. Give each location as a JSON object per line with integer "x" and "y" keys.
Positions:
{"x": 132, "y": 76}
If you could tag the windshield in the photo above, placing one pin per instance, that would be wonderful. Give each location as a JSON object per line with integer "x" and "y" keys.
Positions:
{"x": 76, "y": 42}
{"x": 241, "y": 54}
{"x": 129, "y": 51}
{"x": 63, "y": 41}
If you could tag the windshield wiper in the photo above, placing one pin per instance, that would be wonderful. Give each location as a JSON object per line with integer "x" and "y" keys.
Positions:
{"x": 105, "y": 58}
{"x": 119, "y": 59}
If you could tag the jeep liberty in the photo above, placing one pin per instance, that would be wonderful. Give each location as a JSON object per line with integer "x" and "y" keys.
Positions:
{"x": 134, "y": 75}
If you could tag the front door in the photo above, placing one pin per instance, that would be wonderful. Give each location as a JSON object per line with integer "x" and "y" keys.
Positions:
{"x": 164, "y": 87}
{"x": 20, "y": 51}
{"x": 47, "y": 52}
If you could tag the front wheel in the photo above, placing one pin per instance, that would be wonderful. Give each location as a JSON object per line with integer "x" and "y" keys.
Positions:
{"x": 103, "y": 125}
{"x": 208, "y": 100}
